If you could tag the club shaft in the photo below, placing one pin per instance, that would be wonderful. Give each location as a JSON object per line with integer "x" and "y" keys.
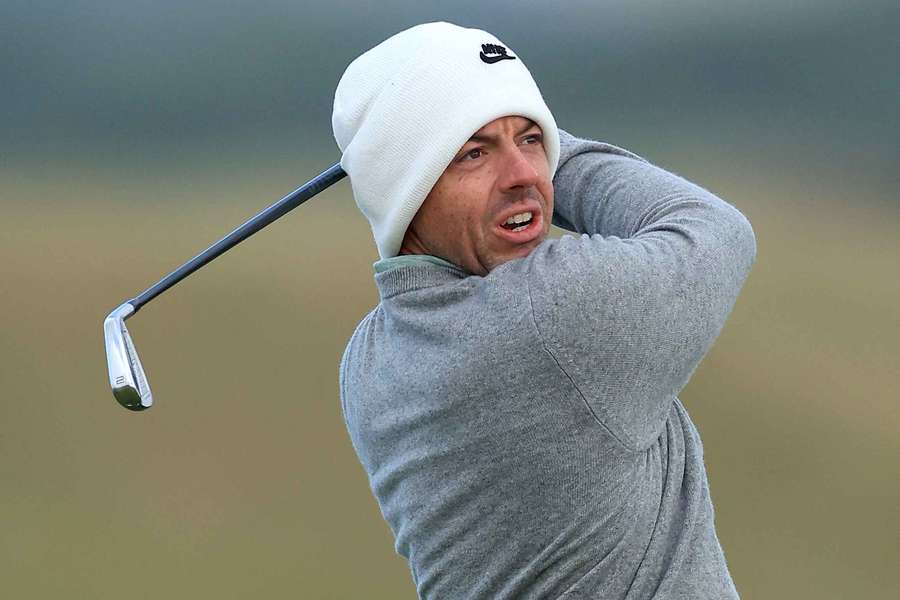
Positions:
{"x": 315, "y": 185}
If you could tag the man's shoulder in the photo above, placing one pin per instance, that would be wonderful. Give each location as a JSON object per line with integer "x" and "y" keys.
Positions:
{"x": 363, "y": 323}
{"x": 358, "y": 334}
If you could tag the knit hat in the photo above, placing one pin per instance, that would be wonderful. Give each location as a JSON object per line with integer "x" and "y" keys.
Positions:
{"x": 403, "y": 110}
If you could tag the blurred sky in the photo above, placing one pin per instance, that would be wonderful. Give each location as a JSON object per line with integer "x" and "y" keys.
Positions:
{"x": 778, "y": 83}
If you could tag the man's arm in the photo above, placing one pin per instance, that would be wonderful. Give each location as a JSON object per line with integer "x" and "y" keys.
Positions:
{"x": 629, "y": 308}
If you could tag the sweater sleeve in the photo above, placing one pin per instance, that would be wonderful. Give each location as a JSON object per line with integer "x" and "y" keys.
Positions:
{"x": 630, "y": 306}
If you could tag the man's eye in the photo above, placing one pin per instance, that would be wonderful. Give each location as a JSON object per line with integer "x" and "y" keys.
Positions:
{"x": 534, "y": 138}
{"x": 471, "y": 154}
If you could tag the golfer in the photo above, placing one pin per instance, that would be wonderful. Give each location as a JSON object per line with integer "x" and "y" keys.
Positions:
{"x": 514, "y": 398}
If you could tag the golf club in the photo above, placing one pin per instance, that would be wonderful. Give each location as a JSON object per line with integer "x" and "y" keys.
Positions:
{"x": 126, "y": 375}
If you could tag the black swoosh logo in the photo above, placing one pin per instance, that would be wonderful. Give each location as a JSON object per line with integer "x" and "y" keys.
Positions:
{"x": 493, "y": 59}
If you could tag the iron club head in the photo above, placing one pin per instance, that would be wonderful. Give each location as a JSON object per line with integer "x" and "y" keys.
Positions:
{"x": 126, "y": 375}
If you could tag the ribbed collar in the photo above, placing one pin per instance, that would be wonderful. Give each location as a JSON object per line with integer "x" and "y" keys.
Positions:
{"x": 406, "y": 259}
{"x": 394, "y": 276}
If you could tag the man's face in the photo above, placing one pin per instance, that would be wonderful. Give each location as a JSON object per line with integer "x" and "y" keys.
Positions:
{"x": 499, "y": 173}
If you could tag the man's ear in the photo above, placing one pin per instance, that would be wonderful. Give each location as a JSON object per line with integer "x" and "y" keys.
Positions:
{"x": 410, "y": 243}
{"x": 413, "y": 243}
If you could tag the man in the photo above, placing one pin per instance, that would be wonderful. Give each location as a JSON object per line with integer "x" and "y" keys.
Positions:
{"x": 512, "y": 398}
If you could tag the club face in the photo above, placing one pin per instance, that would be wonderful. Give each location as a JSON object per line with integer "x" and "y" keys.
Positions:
{"x": 126, "y": 375}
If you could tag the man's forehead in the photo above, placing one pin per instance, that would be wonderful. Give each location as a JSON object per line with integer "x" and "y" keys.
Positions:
{"x": 492, "y": 129}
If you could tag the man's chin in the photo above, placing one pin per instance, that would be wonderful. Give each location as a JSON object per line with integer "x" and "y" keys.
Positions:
{"x": 516, "y": 252}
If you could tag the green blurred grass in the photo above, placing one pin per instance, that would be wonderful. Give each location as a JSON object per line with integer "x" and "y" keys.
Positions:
{"x": 242, "y": 480}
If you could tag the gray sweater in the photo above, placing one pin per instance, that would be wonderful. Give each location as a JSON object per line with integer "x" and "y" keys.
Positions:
{"x": 521, "y": 431}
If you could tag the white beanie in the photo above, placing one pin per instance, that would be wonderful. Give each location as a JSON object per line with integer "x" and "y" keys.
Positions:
{"x": 404, "y": 109}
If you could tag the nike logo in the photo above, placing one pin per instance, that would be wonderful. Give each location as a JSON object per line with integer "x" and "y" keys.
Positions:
{"x": 492, "y": 53}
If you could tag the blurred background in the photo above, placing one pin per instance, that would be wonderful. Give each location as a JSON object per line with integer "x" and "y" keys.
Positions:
{"x": 133, "y": 134}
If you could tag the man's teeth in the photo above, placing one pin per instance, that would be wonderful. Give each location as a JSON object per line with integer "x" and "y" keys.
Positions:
{"x": 523, "y": 218}
{"x": 519, "y": 218}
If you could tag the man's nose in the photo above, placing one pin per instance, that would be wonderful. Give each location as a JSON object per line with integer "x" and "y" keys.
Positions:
{"x": 517, "y": 171}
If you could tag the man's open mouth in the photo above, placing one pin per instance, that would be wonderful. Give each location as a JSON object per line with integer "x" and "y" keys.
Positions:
{"x": 521, "y": 227}
{"x": 518, "y": 222}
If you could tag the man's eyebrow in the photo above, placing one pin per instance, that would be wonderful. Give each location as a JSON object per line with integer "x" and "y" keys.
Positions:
{"x": 488, "y": 138}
